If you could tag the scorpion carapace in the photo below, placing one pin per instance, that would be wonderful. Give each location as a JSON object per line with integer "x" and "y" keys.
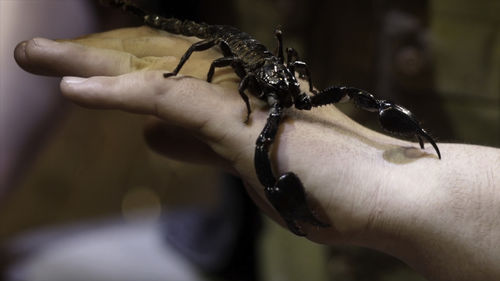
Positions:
{"x": 274, "y": 81}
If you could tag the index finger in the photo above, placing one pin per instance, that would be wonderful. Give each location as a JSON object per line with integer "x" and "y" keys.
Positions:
{"x": 112, "y": 53}
{"x": 108, "y": 53}
{"x": 47, "y": 57}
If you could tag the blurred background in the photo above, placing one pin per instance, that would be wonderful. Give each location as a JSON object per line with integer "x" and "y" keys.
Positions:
{"x": 73, "y": 179}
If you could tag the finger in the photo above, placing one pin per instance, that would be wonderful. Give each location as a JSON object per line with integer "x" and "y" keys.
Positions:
{"x": 142, "y": 42}
{"x": 187, "y": 102}
{"x": 47, "y": 57}
{"x": 88, "y": 58}
{"x": 160, "y": 50}
{"x": 125, "y": 33}
{"x": 123, "y": 92}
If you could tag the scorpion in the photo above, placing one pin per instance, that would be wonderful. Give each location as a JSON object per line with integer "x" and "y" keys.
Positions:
{"x": 268, "y": 77}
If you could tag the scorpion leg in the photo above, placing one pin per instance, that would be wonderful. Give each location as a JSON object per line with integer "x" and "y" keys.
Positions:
{"x": 393, "y": 118}
{"x": 294, "y": 61}
{"x": 228, "y": 59}
{"x": 286, "y": 194}
{"x": 226, "y": 50}
{"x": 303, "y": 65}
{"x": 197, "y": 47}
{"x": 241, "y": 89}
{"x": 234, "y": 62}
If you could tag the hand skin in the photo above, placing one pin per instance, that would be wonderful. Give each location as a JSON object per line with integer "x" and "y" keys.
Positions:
{"x": 439, "y": 216}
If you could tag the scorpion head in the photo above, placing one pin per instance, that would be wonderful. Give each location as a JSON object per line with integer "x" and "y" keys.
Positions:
{"x": 275, "y": 78}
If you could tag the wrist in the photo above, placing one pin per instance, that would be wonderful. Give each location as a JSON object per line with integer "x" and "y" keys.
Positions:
{"x": 443, "y": 221}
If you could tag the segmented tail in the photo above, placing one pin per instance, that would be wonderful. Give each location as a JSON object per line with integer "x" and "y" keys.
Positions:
{"x": 172, "y": 25}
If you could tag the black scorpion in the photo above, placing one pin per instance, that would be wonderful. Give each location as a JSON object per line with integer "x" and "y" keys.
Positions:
{"x": 268, "y": 77}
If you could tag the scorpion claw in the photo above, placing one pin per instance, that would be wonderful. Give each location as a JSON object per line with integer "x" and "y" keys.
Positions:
{"x": 399, "y": 120}
{"x": 423, "y": 133}
{"x": 420, "y": 141}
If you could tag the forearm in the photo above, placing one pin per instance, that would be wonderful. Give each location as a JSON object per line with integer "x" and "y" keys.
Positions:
{"x": 441, "y": 217}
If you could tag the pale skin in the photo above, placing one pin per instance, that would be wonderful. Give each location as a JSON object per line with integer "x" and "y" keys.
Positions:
{"x": 439, "y": 216}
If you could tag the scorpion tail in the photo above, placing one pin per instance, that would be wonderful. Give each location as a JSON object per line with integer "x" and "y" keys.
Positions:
{"x": 124, "y": 5}
{"x": 172, "y": 25}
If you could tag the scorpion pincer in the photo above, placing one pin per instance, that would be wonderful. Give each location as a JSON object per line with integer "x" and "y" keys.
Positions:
{"x": 272, "y": 80}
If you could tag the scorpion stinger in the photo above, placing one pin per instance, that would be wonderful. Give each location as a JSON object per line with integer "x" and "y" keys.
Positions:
{"x": 273, "y": 81}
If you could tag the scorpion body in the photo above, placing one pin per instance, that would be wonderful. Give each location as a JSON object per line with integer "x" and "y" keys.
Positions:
{"x": 272, "y": 80}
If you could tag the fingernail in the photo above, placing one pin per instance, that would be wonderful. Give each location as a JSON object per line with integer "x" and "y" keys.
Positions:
{"x": 73, "y": 80}
{"x": 22, "y": 45}
{"x": 43, "y": 42}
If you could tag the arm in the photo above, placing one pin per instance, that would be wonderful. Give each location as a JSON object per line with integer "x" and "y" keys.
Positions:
{"x": 377, "y": 191}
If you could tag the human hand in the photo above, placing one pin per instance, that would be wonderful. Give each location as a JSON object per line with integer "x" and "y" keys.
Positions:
{"x": 204, "y": 122}
{"x": 376, "y": 191}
